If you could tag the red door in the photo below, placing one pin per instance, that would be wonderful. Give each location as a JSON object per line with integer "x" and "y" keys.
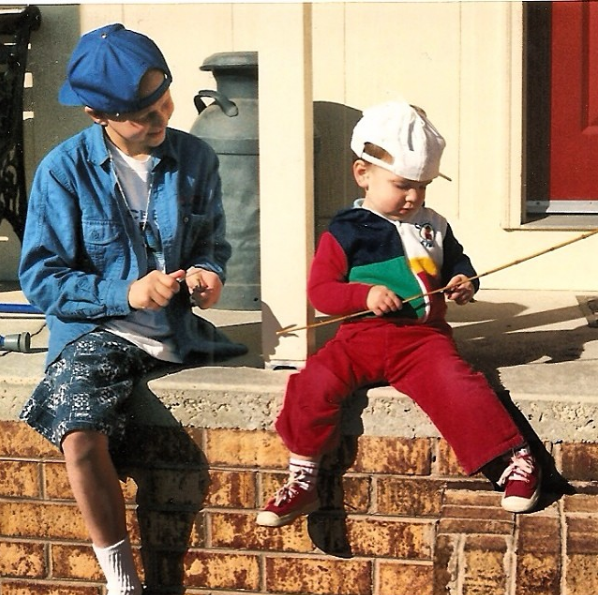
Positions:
{"x": 573, "y": 131}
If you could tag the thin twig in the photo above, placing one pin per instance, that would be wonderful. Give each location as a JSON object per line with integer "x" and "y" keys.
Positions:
{"x": 291, "y": 329}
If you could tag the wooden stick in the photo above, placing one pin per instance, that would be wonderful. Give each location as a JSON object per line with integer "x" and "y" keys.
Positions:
{"x": 291, "y": 329}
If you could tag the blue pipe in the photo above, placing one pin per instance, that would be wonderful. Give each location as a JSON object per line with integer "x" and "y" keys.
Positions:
{"x": 19, "y": 309}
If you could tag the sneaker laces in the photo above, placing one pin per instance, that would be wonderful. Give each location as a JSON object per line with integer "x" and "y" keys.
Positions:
{"x": 521, "y": 467}
{"x": 297, "y": 481}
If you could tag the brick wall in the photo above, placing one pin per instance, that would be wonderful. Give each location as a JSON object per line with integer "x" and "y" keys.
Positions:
{"x": 398, "y": 518}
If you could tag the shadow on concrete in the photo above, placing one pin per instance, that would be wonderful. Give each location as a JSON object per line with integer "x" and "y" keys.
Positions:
{"x": 498, "y": 336}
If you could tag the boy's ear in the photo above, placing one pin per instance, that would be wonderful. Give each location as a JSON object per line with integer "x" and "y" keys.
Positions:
{"x": 360, "y": 169}
{"x": 96, "y": 116}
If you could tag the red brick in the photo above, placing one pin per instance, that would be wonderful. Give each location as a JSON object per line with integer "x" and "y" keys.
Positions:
{"x": 18, "y": 440}
{"x": 484, "y": 565}
{"x": 483, "y": 513}
{"x": 161, "y": 447}
{"x": 80, "y": 563}
{"x": 446, "y": 464}
{"x": 539, "y": 534}
{"x": 451, "y": 525}
{"x": 75, "y": 562}
{"x": 579, "y": 461}
{"x": 538, "y": 573}
{"x": 173, "y": 487}
{"x": 348, "y": 493}
{"x": 22, "y": 560}
{"x": 231, "y": 489}
{"x": 409, "y": 497}
{"x": 581, "y": 535}
{"x": 470, "y": 497}
{"x": 31, "y": 588}
{"x": 390, "y": 538}
{"x": 41, "y": 520}
{"x": 20, "y": 478}
{"x": 486, "y": 543}
{"x": 398, "y": 456}
{"x": 318, "y": 576}
{"x": 57, "y": 487}
{"x": 479, "y": 514}
{"x": 581, "y": 574}
{"x": 241, "y": 448}
{"x": 580, "y": 503}
{"x": 240, "y": 532}
{"x": 212, "y": 570}
{"x": 56, "y": 482}
{"x": 169, "y": 529}
{"x": 396, "y": 578}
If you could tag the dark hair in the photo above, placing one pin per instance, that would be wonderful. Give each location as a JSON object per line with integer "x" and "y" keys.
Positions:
{"x": 377, "y": 152}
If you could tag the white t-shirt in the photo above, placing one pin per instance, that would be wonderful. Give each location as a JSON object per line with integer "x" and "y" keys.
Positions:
{"x": 148, "y": 329}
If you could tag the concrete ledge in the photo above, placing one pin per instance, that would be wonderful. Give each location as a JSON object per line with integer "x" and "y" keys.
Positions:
{"x": 538, "y": 349}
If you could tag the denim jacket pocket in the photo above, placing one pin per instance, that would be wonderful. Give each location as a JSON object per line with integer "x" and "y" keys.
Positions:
{"x": 103, "y": 242}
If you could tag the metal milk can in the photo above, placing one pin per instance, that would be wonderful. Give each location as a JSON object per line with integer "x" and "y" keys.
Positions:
{"x": 229, "y": 123}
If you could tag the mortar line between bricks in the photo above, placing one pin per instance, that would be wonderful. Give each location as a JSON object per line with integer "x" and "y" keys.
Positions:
{"x": 374, "y": 577}
{"x": 563, "y": 534}
{"x": 461, "y": 569}
{"x": 512, "y": 569}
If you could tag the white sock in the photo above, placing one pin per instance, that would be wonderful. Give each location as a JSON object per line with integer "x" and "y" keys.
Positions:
{"x": 117, "y": 564}
{"x": 305, "y": 473}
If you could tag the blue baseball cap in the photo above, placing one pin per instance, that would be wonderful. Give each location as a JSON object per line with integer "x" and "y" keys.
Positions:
{"x": 106, "y": 68}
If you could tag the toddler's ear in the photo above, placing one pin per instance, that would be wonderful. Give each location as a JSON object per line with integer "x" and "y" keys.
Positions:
{"x": 360, "y": 169}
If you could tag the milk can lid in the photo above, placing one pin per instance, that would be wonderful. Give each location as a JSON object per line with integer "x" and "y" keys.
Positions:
{"x": 231, "y": 60}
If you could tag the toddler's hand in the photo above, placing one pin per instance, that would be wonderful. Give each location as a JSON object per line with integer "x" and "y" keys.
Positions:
{"x": 204, "y": 287}
{"x": 381, "y": 300}
{"x": 460, "y": 290}
{"x": 154, "y": 291}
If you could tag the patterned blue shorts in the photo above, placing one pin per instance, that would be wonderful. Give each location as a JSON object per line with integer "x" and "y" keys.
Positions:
{"x": 87, "y": 388}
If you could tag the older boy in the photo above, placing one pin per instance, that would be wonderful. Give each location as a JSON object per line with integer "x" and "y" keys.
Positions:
{"x": 387, "y": 247}
{"x": 121, "y": 217}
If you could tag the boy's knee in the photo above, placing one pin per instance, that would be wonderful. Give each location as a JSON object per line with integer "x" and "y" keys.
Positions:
{"x": 82, "y": 445}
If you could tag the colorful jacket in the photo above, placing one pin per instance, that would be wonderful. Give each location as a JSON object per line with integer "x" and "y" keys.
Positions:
{"x": 361, "y": 249}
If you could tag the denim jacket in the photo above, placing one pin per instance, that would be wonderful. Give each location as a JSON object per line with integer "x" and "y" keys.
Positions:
{"x": 81, "y": 249}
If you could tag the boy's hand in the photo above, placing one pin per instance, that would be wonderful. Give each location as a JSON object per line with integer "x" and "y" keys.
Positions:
{"x": 381, "y": 300}
{"x": 460, "y": 290}
{"x": 154, "y": 291}
{"x": 204, "y": 287}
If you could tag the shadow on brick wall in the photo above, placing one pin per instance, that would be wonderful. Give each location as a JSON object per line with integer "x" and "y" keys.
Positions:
{"x": 171, "y": 474}
{"x": 327, "y": 527}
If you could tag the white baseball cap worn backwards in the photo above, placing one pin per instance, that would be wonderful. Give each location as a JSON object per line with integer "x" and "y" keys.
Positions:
{"x": 404, "y": 132}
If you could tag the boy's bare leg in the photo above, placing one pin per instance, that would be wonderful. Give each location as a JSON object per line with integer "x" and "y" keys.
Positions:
{"x": 96, "y": 486}
{"x": 98, "y": 493}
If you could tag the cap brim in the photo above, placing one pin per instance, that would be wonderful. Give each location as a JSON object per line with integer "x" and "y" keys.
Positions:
{"x": 67, "y": 96}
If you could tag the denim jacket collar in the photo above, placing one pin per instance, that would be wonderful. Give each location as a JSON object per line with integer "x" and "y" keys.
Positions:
{"x": 99, "y": 155}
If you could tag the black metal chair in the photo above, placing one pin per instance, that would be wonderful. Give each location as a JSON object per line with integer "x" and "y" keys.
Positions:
{"x": 16, "y": 26}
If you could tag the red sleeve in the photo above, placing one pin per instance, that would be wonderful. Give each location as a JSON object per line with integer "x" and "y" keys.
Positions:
{"x": 328, "y": 288}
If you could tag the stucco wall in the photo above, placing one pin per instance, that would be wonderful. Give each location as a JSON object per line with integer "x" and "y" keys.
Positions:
{"x": 461, "y": 61}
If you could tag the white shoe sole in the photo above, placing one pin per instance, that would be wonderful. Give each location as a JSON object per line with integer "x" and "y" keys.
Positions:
{"x": 270, "y": 519}
{"x": 516, "y": 504}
